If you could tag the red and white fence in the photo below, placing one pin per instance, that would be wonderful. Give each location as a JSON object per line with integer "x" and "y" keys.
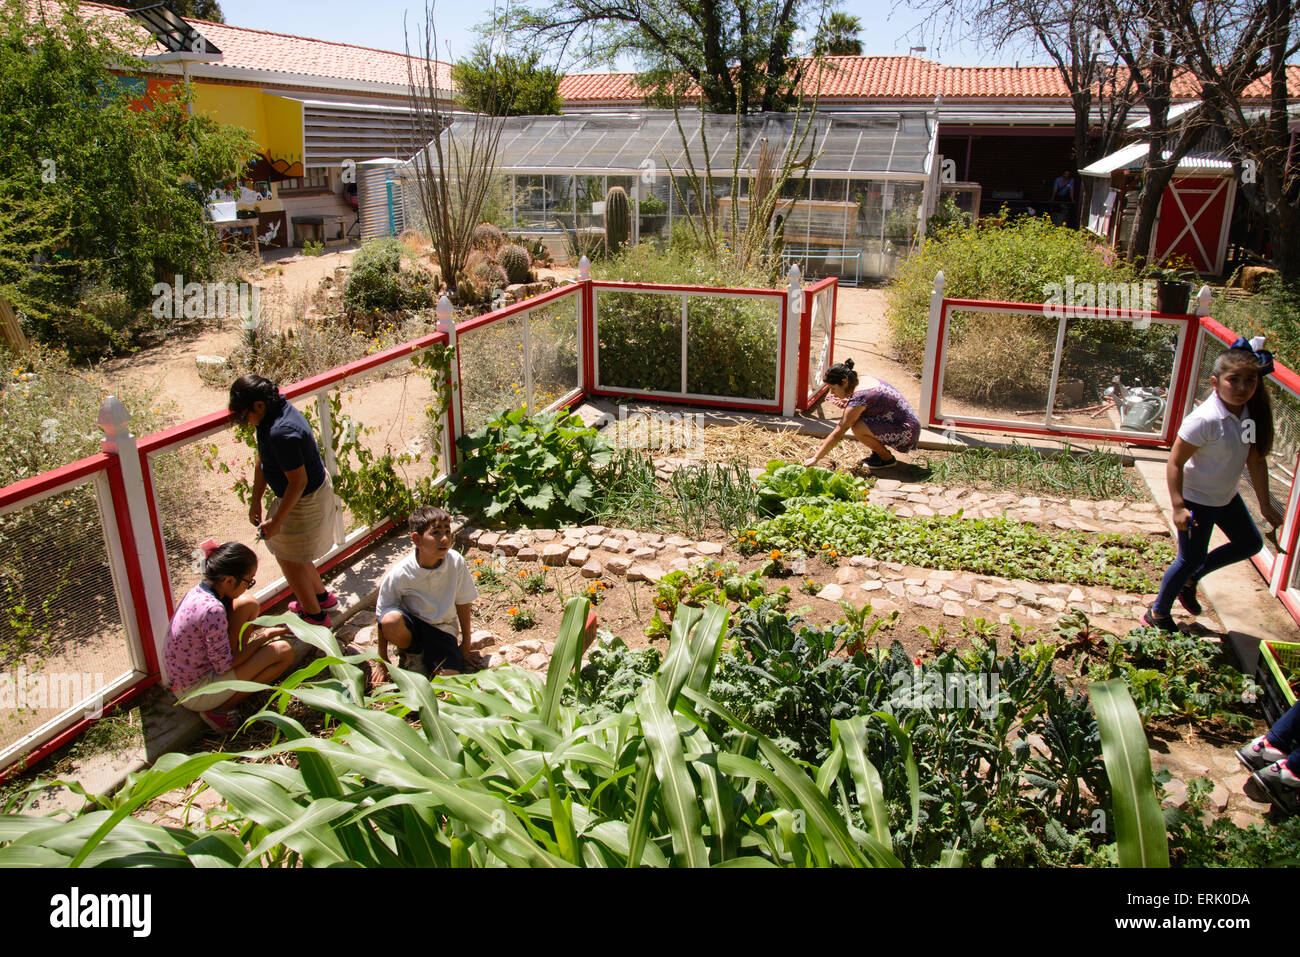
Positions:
{"x": 1182, "y": 380}
{"x": 138, "y": 512}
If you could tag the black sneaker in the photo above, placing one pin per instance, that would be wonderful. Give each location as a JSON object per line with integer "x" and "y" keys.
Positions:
{"x": 874, "y": 461}
{"x": 1281, "y": 792}
{"x": 1187, "y": 598}
{"x": 1157, "y": 620}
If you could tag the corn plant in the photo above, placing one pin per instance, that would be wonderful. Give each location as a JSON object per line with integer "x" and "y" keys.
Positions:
{"x": 498, "y": 771}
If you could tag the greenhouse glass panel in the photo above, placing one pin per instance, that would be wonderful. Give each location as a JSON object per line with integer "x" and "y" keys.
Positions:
{"x": 559, "y": 202}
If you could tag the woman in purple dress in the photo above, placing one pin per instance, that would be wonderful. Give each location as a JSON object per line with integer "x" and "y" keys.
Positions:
{"x": 876, "y": 414}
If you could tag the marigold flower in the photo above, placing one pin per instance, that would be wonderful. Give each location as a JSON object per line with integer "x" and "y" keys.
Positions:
{"x": 513, "y": 611}
{"x": 775, "y": 554}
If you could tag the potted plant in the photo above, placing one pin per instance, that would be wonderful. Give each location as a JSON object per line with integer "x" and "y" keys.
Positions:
{"x": 1174, "y": 285}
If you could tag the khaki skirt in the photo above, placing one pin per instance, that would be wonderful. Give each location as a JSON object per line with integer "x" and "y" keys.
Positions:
{"x": 308, "y": 529}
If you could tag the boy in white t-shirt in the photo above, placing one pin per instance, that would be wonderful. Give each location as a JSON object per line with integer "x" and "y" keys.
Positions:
{"x": 426, "y": 598}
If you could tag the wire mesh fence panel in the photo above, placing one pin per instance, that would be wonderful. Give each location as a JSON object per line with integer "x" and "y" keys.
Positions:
{"x": 819, "y": 338}
{"x": 639, "y": 340}
{"x": 997, "y": 365}
{"x": 62, "y": 638}
{"x": 1286, "y": 436}
{"x": 386, "y": 431}
{"x": 553, "y": 351}
{"x": 202, "y": 490}
{"x": 1115, "y": 375}
{"x": 492, "y": 375}
{"x": 731, "y": 346}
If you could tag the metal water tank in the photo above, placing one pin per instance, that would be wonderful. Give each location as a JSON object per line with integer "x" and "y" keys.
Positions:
{"x": 380, "y": 198}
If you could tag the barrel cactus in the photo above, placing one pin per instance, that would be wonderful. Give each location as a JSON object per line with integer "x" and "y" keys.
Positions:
{"x": 618, "y": 219}
{"x": 486, "y": 237}
{"x": 515, "y": 261}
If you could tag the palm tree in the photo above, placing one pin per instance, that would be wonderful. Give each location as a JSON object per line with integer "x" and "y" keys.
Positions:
{"x": 838, "y": 36}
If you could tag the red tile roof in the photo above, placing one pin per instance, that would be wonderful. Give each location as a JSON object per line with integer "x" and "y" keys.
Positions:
{"x": 250, "y": 49}
{"x": 896, "y": 78}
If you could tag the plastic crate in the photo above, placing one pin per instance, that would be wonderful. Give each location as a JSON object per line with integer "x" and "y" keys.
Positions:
{"x": 1276, "y": 658}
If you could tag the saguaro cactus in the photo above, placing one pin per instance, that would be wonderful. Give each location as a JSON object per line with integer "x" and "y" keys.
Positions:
{"x": 618, "y": 219}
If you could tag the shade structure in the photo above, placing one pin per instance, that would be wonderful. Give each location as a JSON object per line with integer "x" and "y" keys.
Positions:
{"x": 856, "y": 211}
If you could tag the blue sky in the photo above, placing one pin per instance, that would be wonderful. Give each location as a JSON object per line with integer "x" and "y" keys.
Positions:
{"x": 378, "y": 23}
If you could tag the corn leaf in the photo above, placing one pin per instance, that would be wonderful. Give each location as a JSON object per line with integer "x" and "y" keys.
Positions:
{"x": 1139, "y": 825}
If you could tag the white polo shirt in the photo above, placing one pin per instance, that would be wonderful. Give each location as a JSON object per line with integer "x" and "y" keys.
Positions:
{"x": 1213, "y": 473}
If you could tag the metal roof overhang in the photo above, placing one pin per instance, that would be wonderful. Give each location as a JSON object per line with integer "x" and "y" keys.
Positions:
{"x": 894, "y": 145}
{"x": 1133, "y": 157}
{"x": 338, "y": 130}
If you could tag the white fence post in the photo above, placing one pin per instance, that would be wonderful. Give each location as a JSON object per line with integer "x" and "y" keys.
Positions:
{"x": 118, "y": 441}
{"x": 447, "y": 325}
{"x": 330, "y": 461}
{"x": 928, "y": 370}
{"x": 793, "y": 310}
{"x": 1203, "y": 301}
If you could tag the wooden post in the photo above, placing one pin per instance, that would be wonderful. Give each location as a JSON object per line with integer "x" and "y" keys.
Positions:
{"x": 10, "y": 332}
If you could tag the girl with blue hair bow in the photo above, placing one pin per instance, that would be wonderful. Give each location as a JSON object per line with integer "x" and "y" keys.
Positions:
{"x": 1231, "y": 431}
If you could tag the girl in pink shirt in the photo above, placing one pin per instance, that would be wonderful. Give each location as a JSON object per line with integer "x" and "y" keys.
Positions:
{"x": 205, "y": 643}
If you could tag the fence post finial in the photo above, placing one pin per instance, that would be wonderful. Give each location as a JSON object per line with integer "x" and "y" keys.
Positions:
{"x": 584, "y": 268}
{"x": 939, "y": 282}
{"x": 1203, "y": 301}
{"x": 443, "y": 311}
{"x": 116, "y": 423}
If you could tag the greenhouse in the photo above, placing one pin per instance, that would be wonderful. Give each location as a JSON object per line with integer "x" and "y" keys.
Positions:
{"x": 856, "y": 213}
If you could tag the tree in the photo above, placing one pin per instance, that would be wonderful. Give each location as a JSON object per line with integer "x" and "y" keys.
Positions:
{"x": 738, "y": 52}
{"x": 838, "y": 36}
{"x": 110, "y": 196}
{"x": 1100, "y": 95}
{"x": 452, "y": 174}
{"x": 1228, "y": 44}
{"x": 196, "y": 9}
{"x": 504, "y": 85}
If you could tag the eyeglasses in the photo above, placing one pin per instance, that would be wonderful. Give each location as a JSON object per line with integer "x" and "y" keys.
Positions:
{"x": 250, "y": 582}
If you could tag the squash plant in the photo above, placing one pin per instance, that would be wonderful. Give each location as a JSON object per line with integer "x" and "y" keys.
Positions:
{"x": 539, "y": 471}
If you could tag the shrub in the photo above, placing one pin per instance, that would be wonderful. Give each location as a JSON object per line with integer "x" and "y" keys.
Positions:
{"x": 1273, "y": 312}
{"x": 538, "y": 471}
{"x": 731, "y": 343}
{"x": 1015, "y": 262}
{"x": 377, "y": 281}
{"x": 996, "y": 358}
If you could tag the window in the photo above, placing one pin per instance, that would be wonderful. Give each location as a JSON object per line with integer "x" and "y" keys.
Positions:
{"x": 317, "y": 180}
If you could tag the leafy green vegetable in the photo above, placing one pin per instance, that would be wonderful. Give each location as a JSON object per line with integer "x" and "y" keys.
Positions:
{"x": 539, "y": 470}
{"x": 785, "y": 485}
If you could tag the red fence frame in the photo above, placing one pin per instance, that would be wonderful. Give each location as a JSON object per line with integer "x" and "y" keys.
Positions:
{"x": 752, "y": 405}
{"x": 1174, "y": 405}
{"x": 133, "y": 553}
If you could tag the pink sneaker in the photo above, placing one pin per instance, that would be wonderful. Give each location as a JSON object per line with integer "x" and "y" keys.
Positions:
{"x": 222, "y": 721}
{"x": 329, "y": 604}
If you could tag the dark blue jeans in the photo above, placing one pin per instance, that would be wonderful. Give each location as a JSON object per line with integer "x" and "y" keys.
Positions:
{"x": 1284, "y": 736}
{"x": 1192, "y": 563}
